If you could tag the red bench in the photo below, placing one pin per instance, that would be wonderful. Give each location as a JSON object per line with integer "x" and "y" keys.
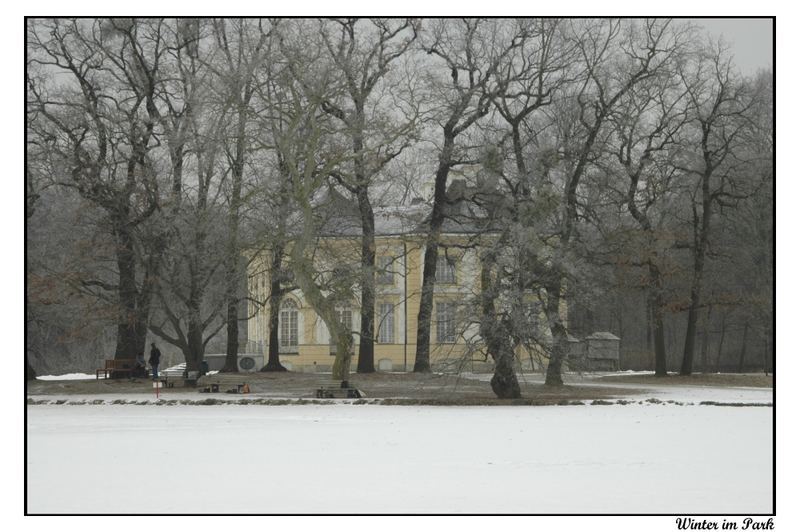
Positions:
{"x": 118, "y": 366}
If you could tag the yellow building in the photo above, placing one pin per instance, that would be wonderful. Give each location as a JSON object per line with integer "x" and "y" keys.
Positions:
{"x": 304, "y": 341}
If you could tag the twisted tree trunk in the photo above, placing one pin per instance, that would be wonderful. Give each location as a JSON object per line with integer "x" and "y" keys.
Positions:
{"x": 497, "y": 336}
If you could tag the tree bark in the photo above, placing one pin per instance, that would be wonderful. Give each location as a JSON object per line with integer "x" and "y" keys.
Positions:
{"x": 304, "y": 272}
{"x": 422, "y": 362}
{"x": 232, "y": 296}
{"x": 30, "y": 373}
{"x": 366, "y": 348}
{"x": 721, "y": 341}
{"x": 766, "y": 356}
{"x": 648, "y": 323}
{"x": 702, "y": 227}
{"x": 743, "y": 351}
{"x": 275, "y": 298}
{"x": 704, "y": 347}
{"x": 504, "y": 382}
{"x": 131, "y": 330}
{"x": 657, "y": 314}
{"x": 560, "y": 346}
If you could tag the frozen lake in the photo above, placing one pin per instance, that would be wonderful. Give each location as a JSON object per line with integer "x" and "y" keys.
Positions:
{"x": 379, "y": 459}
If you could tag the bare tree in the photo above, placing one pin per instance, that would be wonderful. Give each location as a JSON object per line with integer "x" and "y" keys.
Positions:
{"x": 189, "y": 310}
{"x": 102, "y": 125}
{"x": 647, "y": 128}
{"x": 646, "y": 48}
{"x": 471, "y": 52}
{"x": 306, "y": 143}
{"x": 712, "y": 156}
{"x": 243, "y": 45}
{"x": 363, "y": 52}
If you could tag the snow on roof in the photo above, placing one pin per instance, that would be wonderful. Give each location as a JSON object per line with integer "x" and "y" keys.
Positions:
{"x": 602, "y": 336}
{"x": 339, "y": 215}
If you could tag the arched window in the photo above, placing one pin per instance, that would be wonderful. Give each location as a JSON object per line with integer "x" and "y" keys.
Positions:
{"x": 287, "y": 327}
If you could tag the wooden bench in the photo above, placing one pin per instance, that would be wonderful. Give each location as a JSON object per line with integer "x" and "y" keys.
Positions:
{"x": 214, "y": 387}
{"x": 334, "y": 390}
{"x": 121, "y": 366}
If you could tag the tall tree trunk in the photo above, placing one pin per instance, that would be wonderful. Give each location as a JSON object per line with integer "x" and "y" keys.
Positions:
{"x": 560, "y": 347}
{"x": 30, "y": 373}
{"x": 702, "y": 227}
{"x": 648, "y": 323}
{"x": 721, "y": 340}
{"x": 366, "y": 348}
{"x": 275, "y": 298}
{"x": 691, "y": 326}
{"x": 176, "y": 157}
{"x": 304, "y": 274}
{"x": 558, "y": 354}
{"x": 504, "y": 382}
{"x": 232, "y": 295}
{"x": 130, "y": 340}
{"x": 194, "y": 338}
{"x": 743, "y": 351}
{"x": 704, "y": 347}
{"x": 194, "y": 330}
{"x": 232, "y": 314}
{"x": 657, "y": 316}
{"x": 422, "y": 363}
{"x": 766, "y": 355}
{"x": 344, "y": 347}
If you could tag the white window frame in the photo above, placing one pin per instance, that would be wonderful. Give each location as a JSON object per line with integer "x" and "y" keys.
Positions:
{"x": 446, "y": 322}
{"x": 385, "y": 323}
{"x": 385, "y": 270}
{"x": 445, "y": 269}
{"x": 289, "y": 325}
{"x": 533, "y": 312}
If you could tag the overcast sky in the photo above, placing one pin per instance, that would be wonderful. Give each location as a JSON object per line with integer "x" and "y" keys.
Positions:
{"x": 750, "y": 40}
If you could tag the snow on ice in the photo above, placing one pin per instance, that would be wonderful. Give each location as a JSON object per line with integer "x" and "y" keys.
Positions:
{"x": 376, "y": 459}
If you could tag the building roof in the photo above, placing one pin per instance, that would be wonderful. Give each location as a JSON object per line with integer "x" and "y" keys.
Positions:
{"x": 602, "y": 336}
{"x": 340, "y": 216}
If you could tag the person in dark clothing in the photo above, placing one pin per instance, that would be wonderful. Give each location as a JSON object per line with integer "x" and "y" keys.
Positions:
{"x": 155, "y": 359}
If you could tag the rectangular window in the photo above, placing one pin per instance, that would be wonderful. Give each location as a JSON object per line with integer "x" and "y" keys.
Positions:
{"x": 532, "y": 312}
{"x": 385, "y": 270}
{"x": 532, "y": 320}
{"x": 288, "y": 330}
{"x": 445, "y": 270}
{"x": 446, "y": 322}
{"x": 345, "y": 317}
{"x": 385, "y": 323}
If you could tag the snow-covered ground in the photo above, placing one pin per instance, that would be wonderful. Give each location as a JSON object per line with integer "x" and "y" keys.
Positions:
{"x": 364, "y": 459}
{"x": 639, "y": 392}
{"x": 666, "y": 392}
{"x": 67, "y": 377}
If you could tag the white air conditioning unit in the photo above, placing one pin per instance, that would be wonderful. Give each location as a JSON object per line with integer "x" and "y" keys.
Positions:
{"x": 248, "y": 362}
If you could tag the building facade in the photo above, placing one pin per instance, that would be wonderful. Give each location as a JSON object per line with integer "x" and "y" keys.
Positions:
{"x": 304, "y": 341}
